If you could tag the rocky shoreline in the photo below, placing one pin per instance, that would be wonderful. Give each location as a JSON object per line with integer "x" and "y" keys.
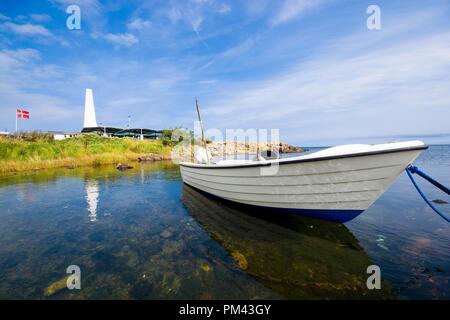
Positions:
{"x": 223, "y": 149}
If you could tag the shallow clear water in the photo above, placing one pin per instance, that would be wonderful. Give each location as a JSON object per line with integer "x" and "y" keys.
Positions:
{"x": 141, "y": 234}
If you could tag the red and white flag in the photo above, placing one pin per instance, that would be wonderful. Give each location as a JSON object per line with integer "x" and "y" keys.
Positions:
{"x": 23, "y": 114}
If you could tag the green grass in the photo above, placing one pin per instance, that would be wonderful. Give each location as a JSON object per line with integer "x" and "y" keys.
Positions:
{"x": 40, "y": 151}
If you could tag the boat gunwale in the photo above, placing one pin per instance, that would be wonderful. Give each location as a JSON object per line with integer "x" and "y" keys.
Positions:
{"x": 296, "y": 160}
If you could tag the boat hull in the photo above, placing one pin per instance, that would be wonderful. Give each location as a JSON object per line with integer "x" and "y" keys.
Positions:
{"x": 334, "y": 188}
{"x": 328, "y": 215}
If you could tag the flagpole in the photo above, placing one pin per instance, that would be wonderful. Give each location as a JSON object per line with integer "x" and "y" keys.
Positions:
{"x": 16, "y": 121}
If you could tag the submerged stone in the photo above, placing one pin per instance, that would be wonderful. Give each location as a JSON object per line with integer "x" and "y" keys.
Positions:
{"x": 56, "y": 287}
{"x": 440, "y": 201}
{"x": 240, "y": 259}
{"x": 205, "y": 267}
{"x": 166, "y": 234}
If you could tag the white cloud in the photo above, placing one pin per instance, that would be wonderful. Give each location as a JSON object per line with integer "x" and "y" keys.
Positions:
{"x": 291, "y": 9}
{"x": 224, "y": 8}
{"x": 197, "y": 13}
{"x": 383, "y": 88}
{"x": 40, "y": 17}
{"x": 232, "y": 52}
{"x": 174, "y": 14}
{"x": 119, "y": 39}
{"x": 21, "y": 55}
{"x": 139, "y": 24}
{"x": 27, "y": 29}
{"x": 196, "y": 23}
{"x": 3, "y": 17}
{"x": 23, "y": 81}
{"x": 85, "y": 5}
{"x": 256, "y": 7}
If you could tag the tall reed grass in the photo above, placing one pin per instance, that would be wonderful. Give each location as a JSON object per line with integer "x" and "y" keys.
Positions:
{"x": 22, "y": 153}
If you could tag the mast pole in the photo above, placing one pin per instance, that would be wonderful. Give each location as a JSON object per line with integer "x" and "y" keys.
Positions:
{"x": 201, "y": 127}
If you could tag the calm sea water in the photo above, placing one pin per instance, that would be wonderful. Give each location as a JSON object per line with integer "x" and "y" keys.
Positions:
{"x": 141, "y": 234}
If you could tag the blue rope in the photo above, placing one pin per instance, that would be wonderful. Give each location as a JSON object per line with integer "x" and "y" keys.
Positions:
{"x": 413, "y": 169}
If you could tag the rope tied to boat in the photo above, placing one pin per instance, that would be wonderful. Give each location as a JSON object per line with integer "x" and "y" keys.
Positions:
{"x": 410, "y": 170}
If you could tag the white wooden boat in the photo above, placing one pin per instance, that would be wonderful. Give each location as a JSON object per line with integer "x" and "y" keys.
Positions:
{"x": 334, "y": 184}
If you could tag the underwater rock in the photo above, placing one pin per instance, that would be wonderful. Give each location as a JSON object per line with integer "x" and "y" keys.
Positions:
{"x": 419, "y": 246}
{"x": 172, "y": 247}
{"x": 439, "y": 270}
{"x": 56, "y": 286}
{"x": 105, "y": 262}
{"x": 123, "y": 166}
{"x": 97, "y": 236}
{"x": 240, "y": 259}
{"x": 440, "y": 201}
{"x": 143, "y": 289}
{"x": 425, "y": 270}
{"x": 166, "y": 234}
{"x": 205, "y": 267}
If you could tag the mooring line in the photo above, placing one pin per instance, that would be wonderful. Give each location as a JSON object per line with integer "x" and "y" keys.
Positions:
{"x": 410, "y": 170}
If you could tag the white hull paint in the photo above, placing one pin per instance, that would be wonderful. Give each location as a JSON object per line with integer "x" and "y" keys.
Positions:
{"x": 346, "y": 179}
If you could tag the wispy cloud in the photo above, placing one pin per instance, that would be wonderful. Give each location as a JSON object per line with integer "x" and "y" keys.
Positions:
{"x": 223, "y": 8}
{"x": 317, "y": 80}
{"x": 90, "y": 6}
{"x": 23, "y": 83}
{"x": 195, "y": 13}
{"x": 18, "y": 56}
{"x": 118, "y": 39}
{"x": 27, "y": 29}
{"x": 3, "y": 17}
{"x": 40, "y": 17}
{"x": 354, "y": 92}
{"x": 139, "y": 24}
{"x": 232, "y": 52}
{"x": 291, "y": 9}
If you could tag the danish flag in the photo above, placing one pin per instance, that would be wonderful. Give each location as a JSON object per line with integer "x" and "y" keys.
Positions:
{"x": 23, "y": 114}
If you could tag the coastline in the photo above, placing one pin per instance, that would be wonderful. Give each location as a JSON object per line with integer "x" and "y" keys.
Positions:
{"x": 22, "y": 155}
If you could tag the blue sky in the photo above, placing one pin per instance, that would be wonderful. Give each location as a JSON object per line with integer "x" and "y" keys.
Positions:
{"x": 310, "y": 68}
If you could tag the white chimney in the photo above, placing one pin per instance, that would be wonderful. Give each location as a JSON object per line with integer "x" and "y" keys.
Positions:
{"x": 90, "y": 120}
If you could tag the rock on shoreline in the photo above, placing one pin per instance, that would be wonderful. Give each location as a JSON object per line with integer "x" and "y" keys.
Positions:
{"x": 220, "y": 148}
{"x": 123, "y": 166}
{"x": 228, "y": 148}
{"x": 154, "y": 157}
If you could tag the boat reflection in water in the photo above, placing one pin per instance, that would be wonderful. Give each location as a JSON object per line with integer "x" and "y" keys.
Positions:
{"x": 297, "y": 257}
{"x": 92, "y": 193}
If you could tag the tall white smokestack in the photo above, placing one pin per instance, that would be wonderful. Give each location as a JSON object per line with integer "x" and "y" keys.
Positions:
{"x": 89, "y": 110}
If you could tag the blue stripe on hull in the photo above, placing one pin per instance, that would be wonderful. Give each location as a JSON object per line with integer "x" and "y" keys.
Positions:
{"x": 329, "y": 215}
{"x": 340, "y": 216}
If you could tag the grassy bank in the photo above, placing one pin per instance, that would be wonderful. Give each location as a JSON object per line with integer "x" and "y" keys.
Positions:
{"x": 41, "y": 151}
